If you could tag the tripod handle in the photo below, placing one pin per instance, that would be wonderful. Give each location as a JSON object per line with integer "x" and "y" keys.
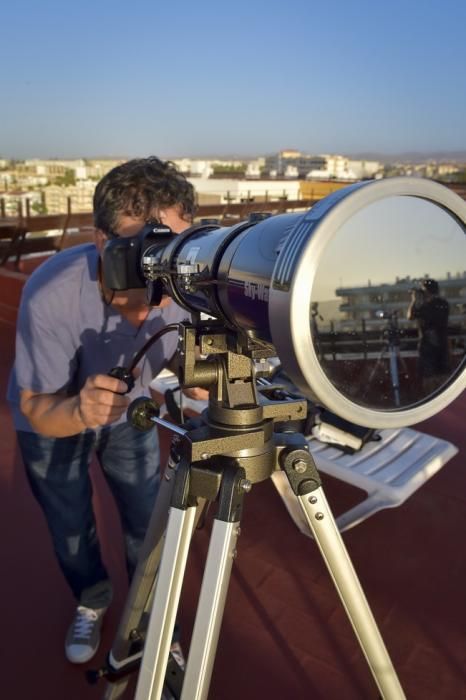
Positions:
{"x": 125, "y": 376}
{"x": 141, "y": 413}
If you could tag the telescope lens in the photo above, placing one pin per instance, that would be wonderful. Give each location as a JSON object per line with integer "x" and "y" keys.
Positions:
{"x": 369, "y": 265}
{"x": 375, "y": 352}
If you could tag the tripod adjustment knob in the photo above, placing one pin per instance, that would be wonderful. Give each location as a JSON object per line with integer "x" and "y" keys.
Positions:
{"x": 301, "y": 471}
{"x": 141, "y": 413}
{"x": 245, "y": 485}
{"x": 299, "y": 465}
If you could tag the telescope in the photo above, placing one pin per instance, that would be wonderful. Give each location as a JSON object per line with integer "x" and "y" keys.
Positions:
{"x": 313, "y": 289}
{"x": 354, "y": 252}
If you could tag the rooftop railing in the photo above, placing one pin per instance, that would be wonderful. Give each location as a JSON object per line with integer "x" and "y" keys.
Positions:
{"x": 27, "y": 234}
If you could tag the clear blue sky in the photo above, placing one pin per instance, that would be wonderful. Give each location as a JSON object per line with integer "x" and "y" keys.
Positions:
{"x": 105, "y": 77}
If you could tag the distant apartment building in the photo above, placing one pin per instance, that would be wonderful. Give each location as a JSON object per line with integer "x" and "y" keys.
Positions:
{"x": 51, "y": 169}
{"x": 20, "y": 203}
{"x": 324, "y": 167}
{"x": 432, "y": 169}
{"x": 198, "y": 167}
{"x": 447, "y": 169}
{"x": 223, "y": 190}
{"x": 292, "y": 163}
{"x": 255, "y": 168}
{"x": 361, "y": 169}
{"x": 7, "y": 181}
{"x": 78, "y": 197}
{"x": 342, "y": 168}
{"x": 96, "y": 169}
{"x": 364, "y": 303}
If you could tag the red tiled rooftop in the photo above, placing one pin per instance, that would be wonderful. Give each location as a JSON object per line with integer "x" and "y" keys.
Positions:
{"x": 284, "y": 634}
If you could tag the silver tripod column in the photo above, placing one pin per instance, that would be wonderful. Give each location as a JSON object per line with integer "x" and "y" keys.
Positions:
{"x": 394, "y": 374}
{"x": 217, "y": 572}
{"x": 167, "y": 594}
{"x": 222, "y": 551}
{"x": 230, "y": 485}
{"x": 305, "y": 482}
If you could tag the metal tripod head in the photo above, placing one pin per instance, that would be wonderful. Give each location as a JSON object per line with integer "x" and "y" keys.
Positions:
{"x": 238, "y": 423}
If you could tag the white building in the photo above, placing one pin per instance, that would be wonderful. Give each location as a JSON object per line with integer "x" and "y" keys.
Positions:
{"x": 50, "y": 168}
{"x": 341, "y": 168}
{"x": 16, "y": 203}
{"x": 80, "y": 196}
{"x": 254, "y": 168}
{"x": 204, "y": 167}
{"x": 223, "y": 190}
{"x": 365, "y": 168}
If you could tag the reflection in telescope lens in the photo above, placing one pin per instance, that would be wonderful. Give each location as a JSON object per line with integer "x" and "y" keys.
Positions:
{"x": 388, "y": 303}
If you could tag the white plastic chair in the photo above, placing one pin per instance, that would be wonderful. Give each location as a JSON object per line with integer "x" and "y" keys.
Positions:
{"x": 388, "y": 470}
{"x": 167, "y": 380}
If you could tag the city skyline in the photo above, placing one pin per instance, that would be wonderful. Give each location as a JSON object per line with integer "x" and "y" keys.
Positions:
{"x": 110, "y": 80}
{"x": 456, "y": 155}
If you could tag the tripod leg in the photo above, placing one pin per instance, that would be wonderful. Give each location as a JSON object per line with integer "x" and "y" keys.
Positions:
{"x": 394, "y": 375}
{"x": 378, "y": 367}
{"x": 307, "y": 487}
{"x": 181, "y": 521}
{"x": 129, "y": 629}
{"x": 222, "y": 551}
{"x": 133, "y": 623}
{"x": 165, "y": 605}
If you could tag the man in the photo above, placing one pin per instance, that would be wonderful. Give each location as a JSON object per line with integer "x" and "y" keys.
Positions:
{"x": 71, "y": 332}
{"x": 431, "y": 312}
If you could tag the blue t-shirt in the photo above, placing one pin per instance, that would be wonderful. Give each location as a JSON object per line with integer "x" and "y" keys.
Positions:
{"x": 65, "y": 332}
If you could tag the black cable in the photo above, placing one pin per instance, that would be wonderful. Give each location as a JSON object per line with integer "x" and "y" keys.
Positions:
{"x": 150, "y": 342}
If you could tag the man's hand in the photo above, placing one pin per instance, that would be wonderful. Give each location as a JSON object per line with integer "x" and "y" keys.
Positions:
{"x": 101, "y": 400}
{"x": 196, "y": 393}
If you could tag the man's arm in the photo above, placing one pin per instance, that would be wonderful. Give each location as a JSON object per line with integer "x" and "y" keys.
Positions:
{"x": 100, "y": 402}
{"x": 414, "y": 306}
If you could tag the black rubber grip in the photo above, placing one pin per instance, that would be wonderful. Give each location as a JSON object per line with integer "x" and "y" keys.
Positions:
{"x": 125, "y": 376}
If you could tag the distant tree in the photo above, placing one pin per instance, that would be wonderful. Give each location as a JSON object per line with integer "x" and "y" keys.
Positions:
{"x": 229, "y": 169}
{"x": 390, "y": 170}
{"x": 39, "y": 208}
{"x": 460, "y": 176}
{"x": 68, "y": 178}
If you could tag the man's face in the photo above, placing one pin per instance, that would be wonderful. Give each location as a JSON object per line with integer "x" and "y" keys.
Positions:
{"x": 130, "y": 225}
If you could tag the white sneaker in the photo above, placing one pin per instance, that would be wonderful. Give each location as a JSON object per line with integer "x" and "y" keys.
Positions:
{"x": 83, "y": 637}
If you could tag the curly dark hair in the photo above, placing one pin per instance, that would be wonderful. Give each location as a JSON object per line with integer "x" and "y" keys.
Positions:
{"x": 139, "y": 186}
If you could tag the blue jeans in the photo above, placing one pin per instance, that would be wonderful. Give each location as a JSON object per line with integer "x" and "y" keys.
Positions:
{"x": 58, "y": 472}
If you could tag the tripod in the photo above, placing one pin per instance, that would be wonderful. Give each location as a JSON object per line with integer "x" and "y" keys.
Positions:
{"x": 233, "y": 447}
{"x": 391, "y": 351}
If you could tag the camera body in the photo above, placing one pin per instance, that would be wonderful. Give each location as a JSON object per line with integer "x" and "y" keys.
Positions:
{"x": 424, "y": 287}
{"x": 121, "y": 263}
{"x": 417, "y": 290}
